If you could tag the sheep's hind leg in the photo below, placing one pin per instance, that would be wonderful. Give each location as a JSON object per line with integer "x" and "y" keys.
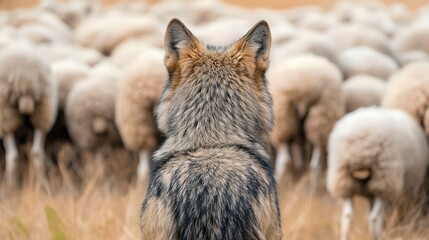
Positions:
{"x": 375, "y": 218}
{"x": 282, "y": 159}
{"x": 38, "y": 158}
{"x": 346, "y": 218}
{"x": 11, "y": 175}
{"x": 143, "y": 168}
{"x": 297, "y": 156}
{"x": 315, "y": 168}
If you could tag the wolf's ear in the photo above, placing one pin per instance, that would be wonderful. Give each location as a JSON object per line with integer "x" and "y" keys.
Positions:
{"x": 258, "y": 42}
{"x": 177, "y": 39}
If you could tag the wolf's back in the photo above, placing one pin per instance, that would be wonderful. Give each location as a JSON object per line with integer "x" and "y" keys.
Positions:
{"x": 215, "y": 193}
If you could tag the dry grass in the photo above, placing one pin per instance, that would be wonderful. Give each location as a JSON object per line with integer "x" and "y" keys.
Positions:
{"x": 105, "y": 209}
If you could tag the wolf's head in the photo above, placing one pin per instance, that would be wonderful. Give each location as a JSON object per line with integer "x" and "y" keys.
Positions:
{"x": 216, "y": 94}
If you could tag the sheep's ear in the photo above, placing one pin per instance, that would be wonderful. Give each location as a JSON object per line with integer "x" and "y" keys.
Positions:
{"x": 177, "y": 40}
{"x": 257, "y": 42}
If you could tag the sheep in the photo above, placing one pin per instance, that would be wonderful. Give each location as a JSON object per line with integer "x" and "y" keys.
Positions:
{"x": 38, "y": 33}
{"x": 306, "y": 43}
{"x": 344, "y": 10}
{"x": 127, "y": 7}
{"x": 232, "y": 29}
{"x": 365, "y": 60}
{"x": 345, "y": 36}
{"x": 412, "y": 56}
{"x": 59, "y": 51}
{"x": 400, "y": 13}
{"x": 67, "y": 73}
{"x": 408, "y": 90}
{"x": 70, "y": 12}
{"x": 362, "y": 91}
{"x": 165, "y": 10}
{"x": 214, "y": 10}
{"x": 294, "y": 15}
{"x": 8, "y": 35}
{"x": 307, "y": 101}
{"x": 90, "y": 111}
{"x": 377, "y": 153}
{"x": 27, "y": 89}
{"x": 411, "y": 38}
{"x": 96, "y": 32}
{"x": 127, "y": 51}
{"x": 136, "y": 102}
{"x": 20, "y": 18}
{"x": 378, "y": 20}
{"x": 317, "y": 21}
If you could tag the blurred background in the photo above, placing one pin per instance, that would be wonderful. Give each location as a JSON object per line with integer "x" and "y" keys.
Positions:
{"x": 275, "y": 4}
{"x": 83, "y": 80}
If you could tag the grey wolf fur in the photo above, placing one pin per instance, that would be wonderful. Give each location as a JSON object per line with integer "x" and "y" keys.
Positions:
{"x": 211, "y": 178}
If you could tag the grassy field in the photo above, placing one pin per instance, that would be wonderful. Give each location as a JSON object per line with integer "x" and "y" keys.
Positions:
{"x": 103, "y": 209}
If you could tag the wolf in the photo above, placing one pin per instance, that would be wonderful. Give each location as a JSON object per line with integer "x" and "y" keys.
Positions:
{"x": 211, "y": 179}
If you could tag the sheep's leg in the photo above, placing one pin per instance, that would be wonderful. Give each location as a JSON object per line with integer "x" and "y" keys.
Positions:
{"x": 38, "y": 156}
{"x": 315, "y": 168}
{"x": 297, "y": 155}
{"x": 346, "y": 218}
{"x": 11, "y": 160}
{"x": 375, "y": 218}
{"x": 282, "y": 159}
{"x": 99, "y": 160}
{"x": 143, "y": 167}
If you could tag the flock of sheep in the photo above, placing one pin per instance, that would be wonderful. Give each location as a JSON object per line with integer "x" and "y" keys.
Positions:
{"x": 98, "y": 72}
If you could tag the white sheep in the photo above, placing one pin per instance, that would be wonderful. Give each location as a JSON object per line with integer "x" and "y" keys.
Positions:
{"x": 20, "y": 18}
{"x": 345, "y": 36}
{"x": 71, "y": 12}
{"x": 9, "y": 35}
{"x": 232, "y": 29}
{"x": 307, "y": 101}
{"x": 306, "y": 43}
{"x": 55, "y": 52}
{"x": 96, "y": 32}
{"x": 412, "y": 56}
{"x": 127, "y": 51}
{"x": 400, "y": 13}
{"x": 26, "y": 89}
{"x": 137, "y": 99}
{"x": 128, "y": 7}
{"x": 411, "y": 38}
{"x": 408, "y": 90}
{"x": 362, "y": 91}
{"x": 367, "y": 61}
{"x": 379, "y": 154}
{"x": 67, "y": 73}
{"x": 376, "y": 19}
{"x": 317, "y": 21}
{"x": 90, "y": 110}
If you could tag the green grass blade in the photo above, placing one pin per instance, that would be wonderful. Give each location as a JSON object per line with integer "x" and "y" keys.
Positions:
{"x": 21, "y": 226}
{"x": 56, "y": 226}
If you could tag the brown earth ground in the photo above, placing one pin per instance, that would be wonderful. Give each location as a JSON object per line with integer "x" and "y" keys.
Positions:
{"x": 104, "y": 208}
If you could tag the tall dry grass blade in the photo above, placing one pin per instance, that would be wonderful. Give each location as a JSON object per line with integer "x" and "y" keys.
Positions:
{"x": 11, "y": 236}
